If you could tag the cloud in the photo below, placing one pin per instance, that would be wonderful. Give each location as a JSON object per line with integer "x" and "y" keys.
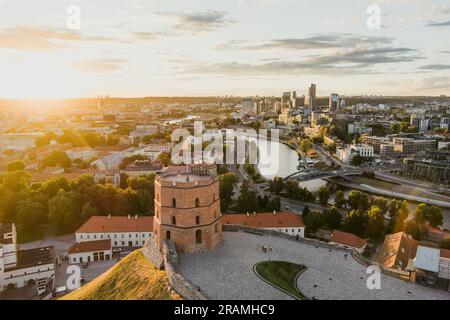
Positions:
{"x": 199, "y": 21}
{"x": 312, "y": 42}
{"x": 40, "y": 39}
{"x": 355, "y": 61}
{"x": 147, "y": 36}
{"x": 436, "y": 67}
{"x": 439, "y": 24}
{"x": 100, "y": 65}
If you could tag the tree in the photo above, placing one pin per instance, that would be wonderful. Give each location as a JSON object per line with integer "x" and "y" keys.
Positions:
{"x": 227, "y": 183}
{"x": 375, "y": 223}
{"x": 431, "y": 214}
{"x": 332, "y": 218}
{"x": 16, "y": 165}
{"x": 340, "y": 199}
{"x": 305, "y": 145}
{"x": 65, "y": 210}
{"x": 355, "y": 222}
{"x": 417, "y": 231}
{"x": 313, "y": 221}
{"x": 129, "y": 160}
{"x": 358, "y": 200}
{"x": 324, "y": 195}
{"x": 305, "y": 212}
{"x": 57, "y": 158}
{"x": 247, "y": 201}
{"x": 356, "y": 160}
{"x": 17, "y": 180}
{"x": 30, "y": 213}
{"x": 445, "y": 243}
{"x": 88, "y": 211}
{"x": 274, "y": 204}
{"x": 276, "y": 185}
{"x": 51, "y": 187}
{"x": 164, "y": 157}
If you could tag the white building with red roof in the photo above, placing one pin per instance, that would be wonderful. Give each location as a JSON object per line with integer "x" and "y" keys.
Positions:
{"x": 123, "y": 231}
{"x": 285, "y": 222}
{"x": 90, "y": 251}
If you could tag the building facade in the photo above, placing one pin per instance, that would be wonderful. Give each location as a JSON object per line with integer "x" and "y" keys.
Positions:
{"x": 187, "y": 208}
{"x": 19, "y": 268}
{"x": 123, "y": 231}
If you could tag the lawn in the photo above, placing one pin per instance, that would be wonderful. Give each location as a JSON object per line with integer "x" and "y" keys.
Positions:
{"x": 282, "y": 275}
{"x": 133, "y": 278}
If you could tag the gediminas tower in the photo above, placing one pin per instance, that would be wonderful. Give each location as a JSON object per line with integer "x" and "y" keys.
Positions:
{"x": 187, "y": 208}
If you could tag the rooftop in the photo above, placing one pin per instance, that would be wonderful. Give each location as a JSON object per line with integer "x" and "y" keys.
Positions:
{"x": 35, "y": 257}
{"x": 89, "y": 246}
{"x": 348, "y": 239}
{"x": 264, "y": 220}
{"x": 398, "y": 248}
{"x": 102, "y": 224}
{"x": 427, "y": 259}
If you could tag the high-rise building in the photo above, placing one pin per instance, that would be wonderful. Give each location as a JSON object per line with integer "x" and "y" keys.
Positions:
{"x": 187, "y": 208}
{"x": 310, "y": 99}
{"x": 445, "y": 123}
{"x": 334, "y": 102}
{"x": 247, "y": 106}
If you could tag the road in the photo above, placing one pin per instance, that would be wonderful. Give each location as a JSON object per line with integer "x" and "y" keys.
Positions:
{"x": 298, "y": 206}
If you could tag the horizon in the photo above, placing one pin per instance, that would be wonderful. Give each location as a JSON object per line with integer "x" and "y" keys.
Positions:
{"x": 56, "y": 50}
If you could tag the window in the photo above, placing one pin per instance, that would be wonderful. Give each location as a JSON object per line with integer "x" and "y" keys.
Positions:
{"x": 198, "y": 236}
{"x": 215, "y": 213}
{"x": 157, "y": 197}
{"x": 81, "y": 236}
{"x": 174, "y": 220}
{"x": 168, "y": 235}
{"x": 197, "y": 220}
{"x": 95, "y": 236}
{"x": 197, "y": 202}
{"x": 216, "y": 228}
{"x": 174, "y": 202}
{"x": 214, "y": 197}
{"x": 115, "y": 243}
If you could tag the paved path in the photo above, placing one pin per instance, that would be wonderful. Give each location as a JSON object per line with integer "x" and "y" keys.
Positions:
{"x": 226, "y": 272}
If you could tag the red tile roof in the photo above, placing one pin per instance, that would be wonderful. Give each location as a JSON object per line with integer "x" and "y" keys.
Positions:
{"x": 445, "y": 253}
{"x": 348, "y": 239}
{"x": 398, "y": 248}
{"x": 264, "y": 220}
{"x": 89, "y": 246}
{"x": 100, "y": 224}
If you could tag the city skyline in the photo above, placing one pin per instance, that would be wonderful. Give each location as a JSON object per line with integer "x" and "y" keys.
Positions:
{"x": 238, "y": 47}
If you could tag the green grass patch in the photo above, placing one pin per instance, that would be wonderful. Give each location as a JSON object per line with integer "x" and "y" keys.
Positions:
{"x": 282, "y": 275}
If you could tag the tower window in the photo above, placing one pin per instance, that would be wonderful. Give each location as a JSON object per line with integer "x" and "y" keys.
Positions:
{"x": 168, "y": 235}
{"x": 197, "y": 202}
{"x": 174, "y": 202}
{"x": 198, "y": 236}
{"x": 174, "y": 220}
{"x": 216, "y": 228}
{"x": 197, "y": 220}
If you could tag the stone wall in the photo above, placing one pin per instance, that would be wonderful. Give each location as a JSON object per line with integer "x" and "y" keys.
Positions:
{"x": 168, "y": 259}
{"x": 176, "y": 280}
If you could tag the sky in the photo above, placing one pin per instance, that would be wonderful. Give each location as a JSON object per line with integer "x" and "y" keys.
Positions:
{"x": 222, "y": 47}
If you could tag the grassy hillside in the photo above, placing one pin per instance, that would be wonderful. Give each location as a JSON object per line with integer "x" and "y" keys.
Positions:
{"x": 133, "y": 278}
